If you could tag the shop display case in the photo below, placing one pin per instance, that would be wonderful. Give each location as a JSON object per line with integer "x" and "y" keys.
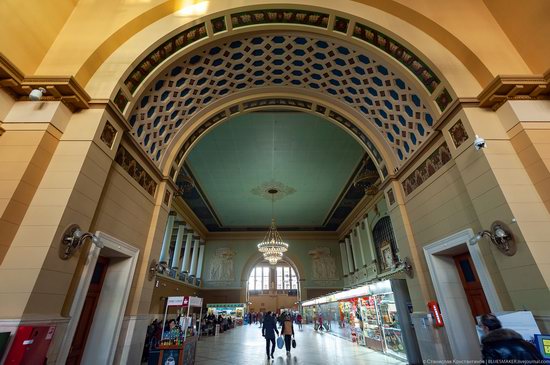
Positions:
{"x": 393, "y": 336}
{"x": 371, "y": 323}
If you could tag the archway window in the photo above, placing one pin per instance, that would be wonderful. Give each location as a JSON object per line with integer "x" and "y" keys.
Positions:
{"x": 286, "y": 278}
{"x": 264, "y": 278}
{"x": 259, "y": 278}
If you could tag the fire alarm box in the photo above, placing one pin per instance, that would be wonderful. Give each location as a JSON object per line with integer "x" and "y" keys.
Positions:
{"x": 30, "y": 345}
{"x": 436, "y": 313}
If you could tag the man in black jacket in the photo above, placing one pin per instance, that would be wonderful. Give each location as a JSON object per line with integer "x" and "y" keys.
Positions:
{"x": 505, "y": 344}
{"x": 269, "y": 329}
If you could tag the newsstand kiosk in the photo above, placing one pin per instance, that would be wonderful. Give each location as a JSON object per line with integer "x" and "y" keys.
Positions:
{"x": 179, "y": 350}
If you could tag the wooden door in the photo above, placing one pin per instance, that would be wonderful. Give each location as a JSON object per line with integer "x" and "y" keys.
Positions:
{"x": 471, "y": 284}
{"x": 88, "y": 311}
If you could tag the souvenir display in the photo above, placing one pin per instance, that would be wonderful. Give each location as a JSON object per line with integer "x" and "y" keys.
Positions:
{"x": 367, "y": 316}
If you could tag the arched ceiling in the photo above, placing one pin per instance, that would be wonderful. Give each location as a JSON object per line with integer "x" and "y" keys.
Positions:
{"x": 310, "y": 161}
{"x": 354, "y": 77}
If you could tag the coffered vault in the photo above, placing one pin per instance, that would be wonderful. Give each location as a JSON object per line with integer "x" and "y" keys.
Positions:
{"x": 356, "y": 79}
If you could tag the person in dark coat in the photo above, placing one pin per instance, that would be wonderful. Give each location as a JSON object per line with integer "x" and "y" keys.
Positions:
{"x": 269, "y": 328}
{"x": 500, "y": 344}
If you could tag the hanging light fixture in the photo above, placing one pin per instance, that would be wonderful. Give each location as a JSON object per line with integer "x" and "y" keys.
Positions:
{"x": 272, "y": 246}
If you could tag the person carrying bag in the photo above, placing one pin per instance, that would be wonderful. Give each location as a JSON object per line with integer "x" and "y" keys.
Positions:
{"x": 287, "y": 329}
{"x": 269, "y": 328}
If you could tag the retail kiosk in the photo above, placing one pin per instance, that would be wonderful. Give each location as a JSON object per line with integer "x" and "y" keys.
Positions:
{"x": 234, "y": 310}
{"x": 179, "y": 349}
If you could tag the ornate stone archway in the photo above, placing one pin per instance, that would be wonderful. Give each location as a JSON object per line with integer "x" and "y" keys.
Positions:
{"x": 398, "y": 112}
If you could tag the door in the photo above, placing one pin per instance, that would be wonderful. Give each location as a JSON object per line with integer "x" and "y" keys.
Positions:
{"x": 88, "y": 311}
{"x": 471, "y": 284}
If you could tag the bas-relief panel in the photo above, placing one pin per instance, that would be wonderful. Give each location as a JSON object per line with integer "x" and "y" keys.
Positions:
{"x": 324, "y": 265}
{"x": 221, "y": 266}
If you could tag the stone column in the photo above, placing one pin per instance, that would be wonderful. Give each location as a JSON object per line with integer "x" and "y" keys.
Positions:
{"x": 358, "y": 257}
{"x": 165, "y": 251}
{"x": 201, "y": 259}
{"x": 350, "y": 256}
{"x": 186, "y": 252}
{"x": 193, "y": 270}
{"x": 362, "y": 248}
{"x": 344, "y": 257}
{"x": 177, "y": 248}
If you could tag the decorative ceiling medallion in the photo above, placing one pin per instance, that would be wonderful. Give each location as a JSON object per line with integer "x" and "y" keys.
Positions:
{"x": 273, "y": 189}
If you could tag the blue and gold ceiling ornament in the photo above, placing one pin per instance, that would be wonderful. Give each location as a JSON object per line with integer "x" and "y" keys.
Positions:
{"x": 288, "y": 60}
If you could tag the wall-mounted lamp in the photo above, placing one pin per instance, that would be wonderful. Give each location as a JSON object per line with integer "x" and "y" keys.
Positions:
{"x": 405, "y": 266}
{"x": 156, "y": 267}
{"x": 36, "y": 94}
{"x": 501, "y": 236}
{"x": 73, "y": 238}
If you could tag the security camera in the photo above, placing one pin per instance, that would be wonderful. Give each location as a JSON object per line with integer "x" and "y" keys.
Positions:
{"x": 36, "y": 94}
{"x": 479, "y": 143}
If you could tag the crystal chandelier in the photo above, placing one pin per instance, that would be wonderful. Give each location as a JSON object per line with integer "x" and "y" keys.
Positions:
{"x": 272, "y": 246}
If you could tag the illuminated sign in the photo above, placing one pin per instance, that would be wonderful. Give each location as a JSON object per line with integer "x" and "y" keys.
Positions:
{"x": 381, "y": 287}
{"x": 436, "y": 313}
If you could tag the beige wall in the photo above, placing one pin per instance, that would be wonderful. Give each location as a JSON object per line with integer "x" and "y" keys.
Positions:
{"x": 522, "y": 20}
{"x": 29, "y": 28}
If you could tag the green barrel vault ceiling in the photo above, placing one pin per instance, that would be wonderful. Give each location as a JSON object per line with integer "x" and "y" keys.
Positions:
{"x": 310, "y": 158}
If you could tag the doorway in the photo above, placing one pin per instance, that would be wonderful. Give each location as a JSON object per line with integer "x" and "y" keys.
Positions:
{"x": 451, "y": 293}
{"x": 471, "y": 284}
{"x": 88, "y": 311}
{"x": 99, "y": 304}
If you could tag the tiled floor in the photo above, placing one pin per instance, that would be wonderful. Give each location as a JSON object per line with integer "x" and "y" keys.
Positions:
{"x": 245, "y": 345}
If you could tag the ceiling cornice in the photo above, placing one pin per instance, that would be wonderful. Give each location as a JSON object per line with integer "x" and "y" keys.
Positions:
{"x": 515, "y": 87}
{"x": 287, "y": 235}
{"x": 58, "y": 88}
{"x": 189, "y": 217}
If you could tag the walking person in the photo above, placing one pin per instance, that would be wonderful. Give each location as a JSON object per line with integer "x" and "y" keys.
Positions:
{"x": 260, "y": 318}
{"x": 287, "y": 329}
{"x": 299, "y": 321}
{"x": 269, "y": 328}
{"x": 505, "y": 345}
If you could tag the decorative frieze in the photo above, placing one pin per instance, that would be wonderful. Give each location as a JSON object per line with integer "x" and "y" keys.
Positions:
{"x": 430, "y": 166}
{"x": 281, "y": 16}
{"x": 162, "y": 52}
{"x": 458, "y": 134}
{"x": 341, "y": 25}
{"x": 218, "y": 24}
{"x": 443, "y": 99}
{"x": 401, "y": 53}
{"x": 108, "y": 134}
{"x": 135, "y": 170}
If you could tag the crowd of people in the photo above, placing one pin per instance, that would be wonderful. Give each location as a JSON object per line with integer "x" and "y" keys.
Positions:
{"x": 209, "y": 322}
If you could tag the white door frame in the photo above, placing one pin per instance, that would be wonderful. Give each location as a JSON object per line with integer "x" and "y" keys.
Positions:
{"x": 454, "y": 305}
{"x": 124, "y": 275}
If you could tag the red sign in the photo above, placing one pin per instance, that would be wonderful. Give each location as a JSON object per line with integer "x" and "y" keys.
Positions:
{"x": 436, "y": 313}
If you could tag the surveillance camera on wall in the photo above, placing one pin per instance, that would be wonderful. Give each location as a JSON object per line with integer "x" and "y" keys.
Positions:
{"x": 36, "y": 94}
{"x": 479, "y": 143}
